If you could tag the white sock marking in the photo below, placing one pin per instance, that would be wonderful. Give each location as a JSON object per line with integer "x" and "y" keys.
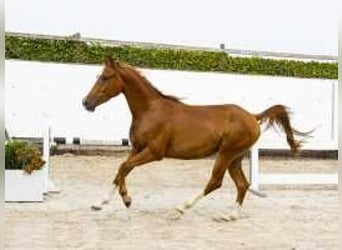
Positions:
{"x": 190, "y": 203}
{"x": 106, "y": 199}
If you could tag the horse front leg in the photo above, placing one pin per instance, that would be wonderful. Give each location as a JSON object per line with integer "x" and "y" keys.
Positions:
{"x": 111, "y": 190}
{"x": 143, "y": 157}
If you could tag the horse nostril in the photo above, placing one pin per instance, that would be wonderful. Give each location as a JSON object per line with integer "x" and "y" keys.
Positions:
{"x": 84, "y": 102}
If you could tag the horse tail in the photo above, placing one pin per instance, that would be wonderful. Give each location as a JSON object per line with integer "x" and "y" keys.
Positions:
{"x": 279, "y": 115}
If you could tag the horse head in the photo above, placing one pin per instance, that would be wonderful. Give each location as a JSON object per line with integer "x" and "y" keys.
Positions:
{"x": 109, "y": 84}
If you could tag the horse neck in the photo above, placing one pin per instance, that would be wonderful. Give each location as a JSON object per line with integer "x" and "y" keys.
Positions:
{"x": 138, "y": 92}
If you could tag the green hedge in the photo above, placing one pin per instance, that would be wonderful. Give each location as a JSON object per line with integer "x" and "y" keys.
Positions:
{"x": 23, "y": 155}
{"x": 72, "y": 51}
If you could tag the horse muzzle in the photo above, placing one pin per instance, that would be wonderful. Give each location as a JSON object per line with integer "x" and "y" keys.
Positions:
{"x": 88, "y": 105}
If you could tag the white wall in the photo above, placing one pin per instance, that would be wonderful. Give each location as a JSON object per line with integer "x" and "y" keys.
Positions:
{"x": 48, "y": 93}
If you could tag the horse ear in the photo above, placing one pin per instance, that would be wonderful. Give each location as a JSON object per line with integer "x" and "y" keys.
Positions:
{"x": 110, "y": 62}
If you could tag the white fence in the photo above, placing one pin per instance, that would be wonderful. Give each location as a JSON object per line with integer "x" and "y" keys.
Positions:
{"x": 257, "y": 179}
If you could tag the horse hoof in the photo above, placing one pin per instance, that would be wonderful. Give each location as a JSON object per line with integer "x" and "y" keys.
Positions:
{"x": 233, "y": 217}
{"x": 127, "y": 201}
{"x": 176, "y": 215}
{"x": 95, "y": 207}
{"x": 225, "y": 218}
{"x": 179, "y": 210}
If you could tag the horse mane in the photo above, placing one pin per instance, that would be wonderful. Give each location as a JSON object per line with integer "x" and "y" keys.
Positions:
{"x": 148, "y": 83}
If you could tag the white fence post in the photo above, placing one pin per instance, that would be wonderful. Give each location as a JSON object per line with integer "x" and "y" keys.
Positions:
{"x": 254, "y": 167}
{"x": 46, "y": 154}
{"x": 335, "y": 112}
{"x": 49, "y": 184}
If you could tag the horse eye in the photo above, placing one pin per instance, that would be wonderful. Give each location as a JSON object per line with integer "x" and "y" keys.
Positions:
{"x": 106, "y": 78}
{"x": 103, "y": 78}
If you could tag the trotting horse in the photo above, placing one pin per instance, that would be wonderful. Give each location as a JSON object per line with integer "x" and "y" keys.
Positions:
{"x": 163, "y": 126}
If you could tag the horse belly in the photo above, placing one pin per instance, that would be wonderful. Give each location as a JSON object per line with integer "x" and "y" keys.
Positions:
{"x": 193, "y": 146}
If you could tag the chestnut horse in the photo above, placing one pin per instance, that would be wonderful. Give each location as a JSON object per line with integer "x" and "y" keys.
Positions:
{"x": 163, "y": 126}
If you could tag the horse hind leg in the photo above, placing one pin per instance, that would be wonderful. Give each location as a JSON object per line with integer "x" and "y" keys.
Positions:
{"x": 240, "y": 180}
{"x": 215, "y": 182}
{"x": 242, "y": 185}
